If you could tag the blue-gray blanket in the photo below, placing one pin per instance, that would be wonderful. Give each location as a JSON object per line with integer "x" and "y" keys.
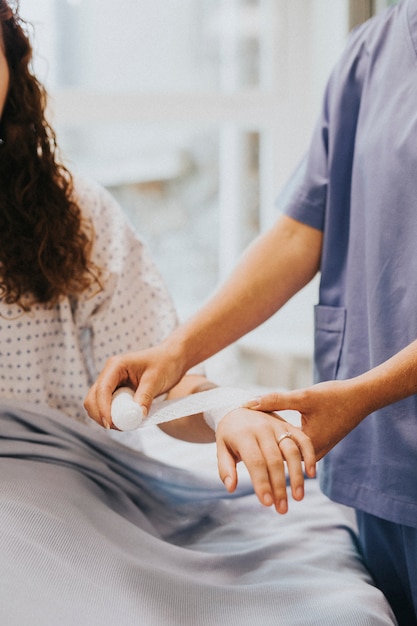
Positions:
{"x": 93, "y": 533}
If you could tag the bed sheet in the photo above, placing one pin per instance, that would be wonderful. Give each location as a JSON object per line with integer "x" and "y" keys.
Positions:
{"x": 95, "y": 533}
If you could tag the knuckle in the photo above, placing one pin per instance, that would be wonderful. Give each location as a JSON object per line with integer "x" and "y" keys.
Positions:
{"x": 255, "y": 463}
{"x": 293, "y": 450}
{"x": 271, "y": 398}
{"x": 145, "y": 396}
{"x": 113, "y": 361}
{"x": 276, "y": 462}
{"x": 280, "y": 492}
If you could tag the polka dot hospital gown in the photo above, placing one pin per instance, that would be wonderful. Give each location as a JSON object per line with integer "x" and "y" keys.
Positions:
{"x": 52, "y": 356}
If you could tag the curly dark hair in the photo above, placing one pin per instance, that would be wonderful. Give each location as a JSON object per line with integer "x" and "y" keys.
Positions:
{"x": 45, "y": 243}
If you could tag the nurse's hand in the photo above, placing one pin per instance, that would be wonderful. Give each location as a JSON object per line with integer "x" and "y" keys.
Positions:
{"x": 329, "y": 410}
{"x": 151, "y": 372}
{"x": 254, "y": 438}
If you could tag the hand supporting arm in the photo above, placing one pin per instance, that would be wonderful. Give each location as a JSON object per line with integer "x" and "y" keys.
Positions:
{"x": 330, "y": 410}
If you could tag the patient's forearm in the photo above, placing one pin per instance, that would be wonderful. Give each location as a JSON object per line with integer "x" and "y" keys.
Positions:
{"x": 192, "y": 428}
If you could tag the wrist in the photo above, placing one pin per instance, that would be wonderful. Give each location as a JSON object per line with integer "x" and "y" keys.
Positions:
{"x": 172, "y": 349}
{"x": 222, "y": 402}
{"x": 183, "y": 349}
{"x": 213, "y": 417}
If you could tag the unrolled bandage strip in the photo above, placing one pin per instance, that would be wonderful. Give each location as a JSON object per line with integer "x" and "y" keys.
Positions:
{"x": 214, "y": 404}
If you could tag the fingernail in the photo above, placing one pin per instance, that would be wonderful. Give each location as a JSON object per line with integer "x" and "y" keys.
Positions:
{"x": 228, "y": 483}
{"x": 282, "y": 506}
{"x": 299, "y": 493}
{"x": 267, "y": 499}
{"x": 144, "y": 410}
{"x": 253, "y": 403}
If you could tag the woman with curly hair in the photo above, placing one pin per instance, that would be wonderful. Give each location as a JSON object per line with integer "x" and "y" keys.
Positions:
{"x": 45, "y": 241}
{"x": 93, "y": 531}
{"x": 68, "y": 260}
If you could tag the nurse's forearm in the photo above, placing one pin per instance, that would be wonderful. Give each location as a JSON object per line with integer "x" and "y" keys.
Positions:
{"x": 276, "y": 266}
{"x": 349, "y": 402}
{"x": 393, "y": 380}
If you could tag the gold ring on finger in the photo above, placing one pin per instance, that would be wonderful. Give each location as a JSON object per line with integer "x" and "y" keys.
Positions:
{"x": 284, "y": 436}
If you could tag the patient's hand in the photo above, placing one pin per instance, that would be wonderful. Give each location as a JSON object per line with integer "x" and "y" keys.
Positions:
{"x": 252, "y": 437}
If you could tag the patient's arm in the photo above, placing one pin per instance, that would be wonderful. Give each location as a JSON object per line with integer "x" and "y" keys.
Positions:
{"x": 192, "y": 428}
{"x": 250, "y": 437}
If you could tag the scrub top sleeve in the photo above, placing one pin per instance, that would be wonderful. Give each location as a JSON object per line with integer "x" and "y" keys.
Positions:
{"x": 305, "y": 195}
{"x": 331, "y": 147}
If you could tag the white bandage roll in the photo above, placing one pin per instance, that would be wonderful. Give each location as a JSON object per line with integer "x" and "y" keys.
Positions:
{"x": 213, "y": 403}
{"x": 126, "y": 414}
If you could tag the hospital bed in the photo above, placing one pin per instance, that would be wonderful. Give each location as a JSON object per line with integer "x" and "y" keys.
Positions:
{"x": 94, "y": 533}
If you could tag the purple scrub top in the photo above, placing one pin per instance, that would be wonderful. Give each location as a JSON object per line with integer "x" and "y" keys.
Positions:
{"x": 359, "y": 186}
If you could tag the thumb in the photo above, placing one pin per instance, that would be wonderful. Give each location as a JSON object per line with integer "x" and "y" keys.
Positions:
{"x": 275, "y": 401}
{"x": 152, "y": 384}
{"x": 145, "y": 393}
{"x": 227, "y": 466}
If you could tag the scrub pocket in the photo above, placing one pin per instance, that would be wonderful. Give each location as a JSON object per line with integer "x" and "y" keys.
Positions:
{"x": 329, "y": 330}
